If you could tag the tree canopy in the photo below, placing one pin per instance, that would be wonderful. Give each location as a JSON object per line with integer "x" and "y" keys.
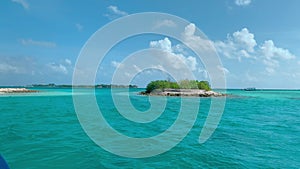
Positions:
{"x": 183, "y": 84}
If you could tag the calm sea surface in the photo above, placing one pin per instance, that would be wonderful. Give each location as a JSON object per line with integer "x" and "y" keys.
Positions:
{"x": 259, "y": 129}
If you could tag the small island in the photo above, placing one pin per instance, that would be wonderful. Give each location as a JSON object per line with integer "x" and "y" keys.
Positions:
{"x": 183, "y": 88}
{"x": 16, "y": 90}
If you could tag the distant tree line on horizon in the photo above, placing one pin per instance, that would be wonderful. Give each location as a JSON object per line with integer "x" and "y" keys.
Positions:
{"x": 115, "y": 86}
{"x": 183, "y": 84}
{"x": 52, "y": 85}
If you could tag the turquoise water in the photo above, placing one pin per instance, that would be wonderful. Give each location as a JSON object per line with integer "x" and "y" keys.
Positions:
{"x": 259, "y": 129}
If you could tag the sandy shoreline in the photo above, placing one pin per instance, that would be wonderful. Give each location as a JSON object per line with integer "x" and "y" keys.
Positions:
{"x": 16, "y": 90}
{"x": 184, "y": 92}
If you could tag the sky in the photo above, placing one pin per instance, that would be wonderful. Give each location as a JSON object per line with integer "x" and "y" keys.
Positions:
{"x": 257, "y": 41}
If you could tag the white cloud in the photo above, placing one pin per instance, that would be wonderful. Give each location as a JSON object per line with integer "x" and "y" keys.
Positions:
{"x": 269, "y": 50}
{"x": 240, "y": 45}
{"x": 272, "y": 54}
{"x": 245, "y": 39}
{"x": 58, "y": 68}
{"x": 24, "y": 3}
{"x": 194, "y": 41}
{"x": 38, "y": 43}
{"x": 164, "y": 44}
{"x": 115, "y": 10}
{"x": 180, "y": 48}
{"x": 115, "y": 64}
{"x": 227, "y": 48}
{"x": 270, "y": 62}
{"x": 223, "y": 69}
{"x": 242, "y": 2}
{"x": 79, "y": 26}
{"x": 68, "y": 61}
{"x": 190, "y": 61}
{"x": 175, "y": 59}
{"x": 164, "y": 23}
{"x": 190, "y": 29}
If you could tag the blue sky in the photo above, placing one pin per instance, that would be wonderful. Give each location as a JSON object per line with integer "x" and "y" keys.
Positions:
{"x": 257, "y": 40}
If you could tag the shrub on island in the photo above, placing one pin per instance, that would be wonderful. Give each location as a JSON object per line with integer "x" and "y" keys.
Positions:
{"x": 183, "y": 84}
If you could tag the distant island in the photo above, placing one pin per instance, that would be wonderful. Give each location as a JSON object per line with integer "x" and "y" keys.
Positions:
{"x": 52, "y": 85}
{"x": 26, "y": 89}
{"x": 183, "y": 88}
{"x": 250, "y": 89}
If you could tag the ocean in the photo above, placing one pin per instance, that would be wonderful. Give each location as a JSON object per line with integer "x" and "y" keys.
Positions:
{"x": 258, "y": 129}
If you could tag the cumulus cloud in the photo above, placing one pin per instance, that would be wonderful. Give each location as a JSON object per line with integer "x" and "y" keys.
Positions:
{"x": 245, "y": 39}
{"x": 180, "y": 48}
{"x": 24, "y": 3}
{"x": 190, "y": 29}
{"x": 272, "y": 54}
{"x": 164, "y": 44}
{"x": 177, "y": 55}
{"x": 242, "y": 2}
{"x": 115, "y": 12}
{"x": 269, "y": 50}
{"x": 38, "y": 43}
{"x": 196, "y": 42}
{"x": 270, "y": 62}
{"x": 176, "y": 59}
{"x": 240, "y": 45}
{"x": 227, "y": 48}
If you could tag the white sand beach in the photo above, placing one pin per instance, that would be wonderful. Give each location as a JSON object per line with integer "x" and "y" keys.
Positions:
{"x": 16, "y": 90}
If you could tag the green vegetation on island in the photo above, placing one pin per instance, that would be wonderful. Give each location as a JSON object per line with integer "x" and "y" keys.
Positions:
{"x": 189, "y": 88}
{"x": 183, "y": 84}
